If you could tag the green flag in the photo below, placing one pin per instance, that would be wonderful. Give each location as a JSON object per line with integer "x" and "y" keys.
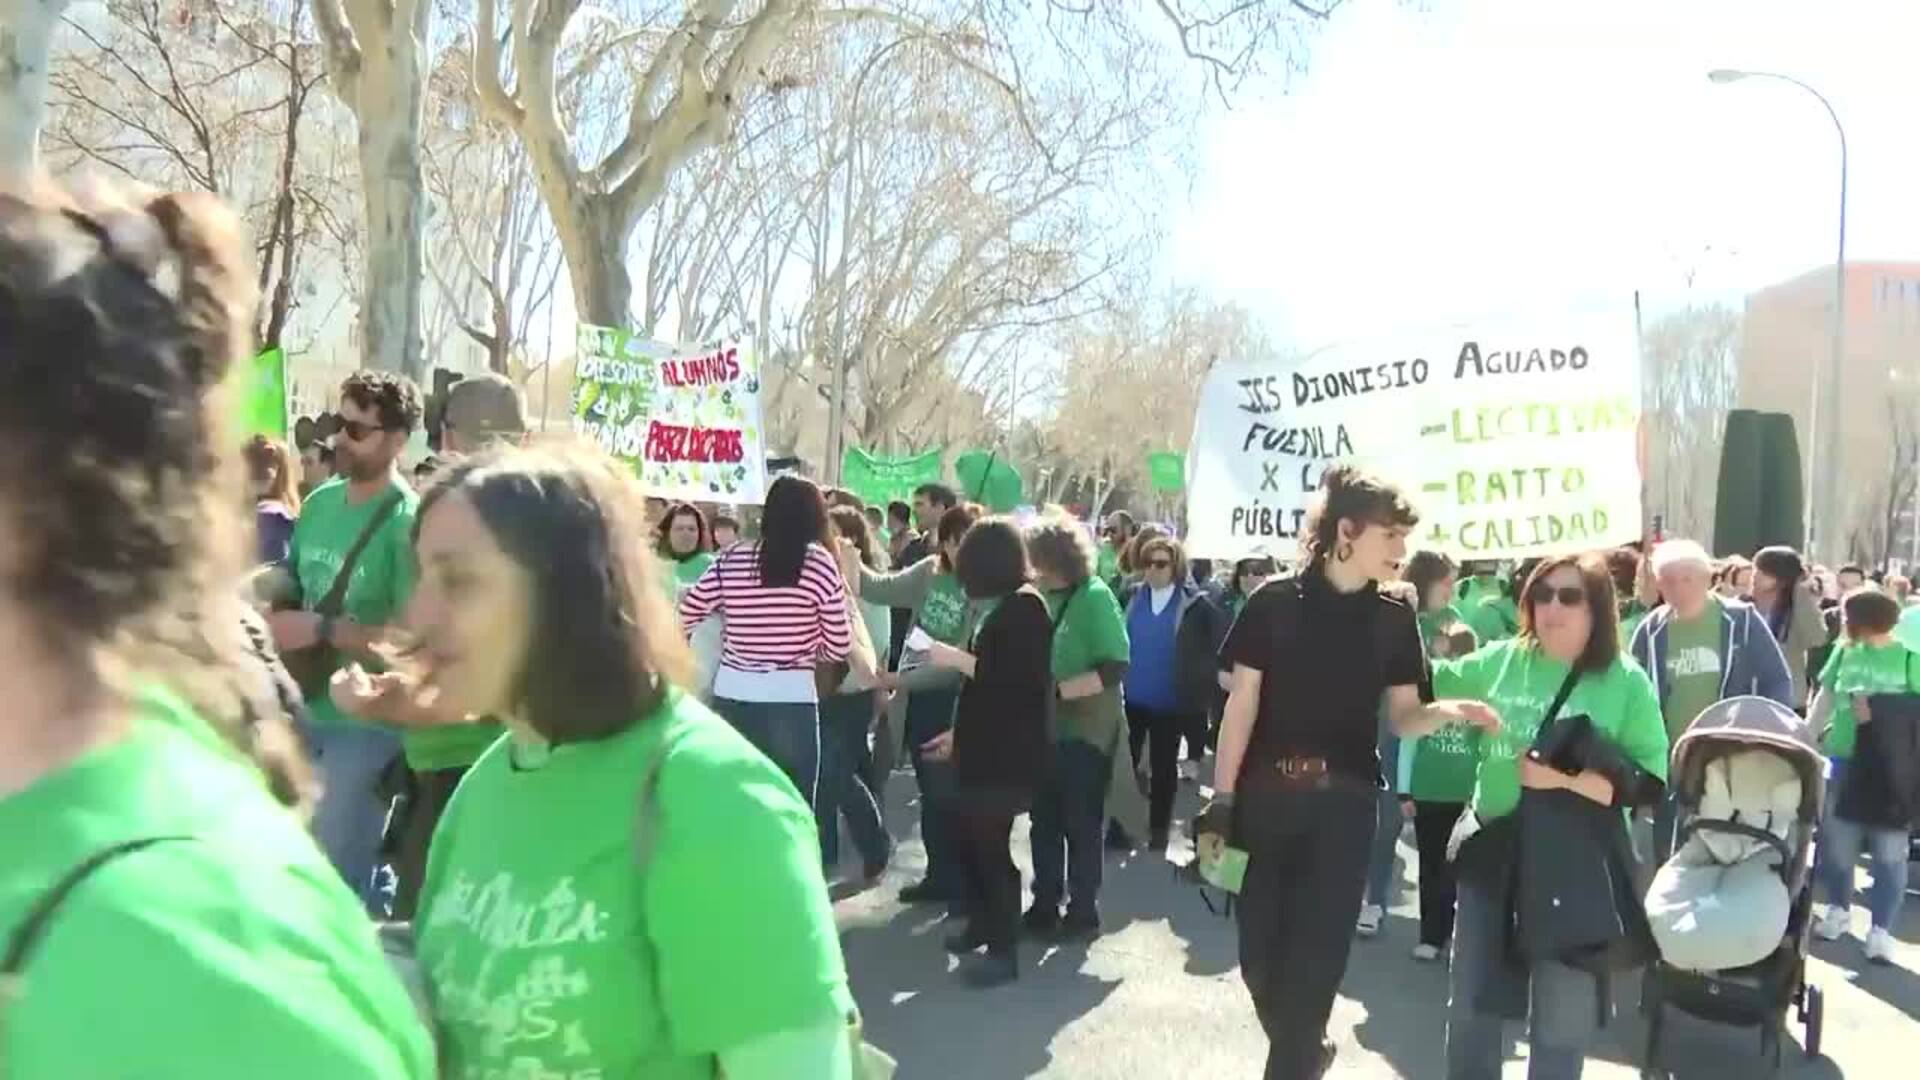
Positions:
{"x": 262, "y": 395}
{"x": 1167, "y": 470}
{"x": 986, "y": 477}
{"x": 879, "y": 479}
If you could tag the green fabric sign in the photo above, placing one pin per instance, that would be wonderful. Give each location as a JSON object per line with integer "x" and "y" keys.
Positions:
{"x": 1167, "y": 470}
{"x": 880, "y": 479}
{"x": 262, "y": 394}
{"x": 987, "y": 478}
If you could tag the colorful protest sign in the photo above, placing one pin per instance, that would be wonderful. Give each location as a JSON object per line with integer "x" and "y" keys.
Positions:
{"x": 880, "y": 479}
{"x": 261, "y": 394}
{"x": 688, "y": 418}
{"x": 1514, "y": 438}
{"x": 1167, "y": 471}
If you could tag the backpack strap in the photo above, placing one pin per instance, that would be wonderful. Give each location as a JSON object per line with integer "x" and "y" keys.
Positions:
{"x": 334, "y": 603}
{"x": 39, "y": 918}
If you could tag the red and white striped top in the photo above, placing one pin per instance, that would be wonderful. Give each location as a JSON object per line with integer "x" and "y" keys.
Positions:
{"x": 772, "y": 628}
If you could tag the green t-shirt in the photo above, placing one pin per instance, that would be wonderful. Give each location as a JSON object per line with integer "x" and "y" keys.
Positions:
{"x": 688, "y": 570}
{"x": 1440, "y": 767}
{"x": 235, "y": 952}
{"x": 1107, "y": 565}
{"x": 1089, "y": 631}
{"x": 1857, "y": 668}
{"x": 1694, "y": 668}
{"x": 1484, "y": 605}
{"x": 552, "y": 951}
{"x": 1631, "y": 616}
{"x": 944, "y": 612}
{"x": 383, "y": 580}
{"x": 1520, "y": 682}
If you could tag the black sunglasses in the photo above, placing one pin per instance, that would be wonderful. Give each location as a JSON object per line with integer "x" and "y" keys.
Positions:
{"x": 1568, "y": 595}
{"x": 1160, "y": 564}
{"x": 359, "y": 429}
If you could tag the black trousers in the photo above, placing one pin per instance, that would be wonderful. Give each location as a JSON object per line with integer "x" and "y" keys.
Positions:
{"x": 1158, "y": 732}
{"x": 990, "y": 882}
{"x": 1432, "y": 827}
{"x": 1307, "y": 849}
{"x": 426, "y": 800}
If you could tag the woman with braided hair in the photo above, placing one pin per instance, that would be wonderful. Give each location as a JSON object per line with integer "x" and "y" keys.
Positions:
{"x": 163, "y": 910}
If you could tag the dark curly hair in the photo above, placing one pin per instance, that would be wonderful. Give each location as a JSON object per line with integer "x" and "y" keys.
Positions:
{"x": 394, "y": 398}
{"x": 120, "y": 321}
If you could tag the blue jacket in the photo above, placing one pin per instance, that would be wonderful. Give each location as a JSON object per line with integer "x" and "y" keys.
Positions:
{"x": 1751, "y": 660}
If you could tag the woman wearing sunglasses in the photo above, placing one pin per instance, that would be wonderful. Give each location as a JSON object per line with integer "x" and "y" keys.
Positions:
{"x": 1568, "y": 649}
{"x": 1174, "y": 631}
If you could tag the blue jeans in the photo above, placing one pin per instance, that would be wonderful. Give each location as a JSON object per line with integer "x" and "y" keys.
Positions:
{"x": 844, "y": 721}
{"x": 1841, "y": 842}
{"x": 1068, "y": 847}
{"x": 930, "y": 712}
{"x": 788, "y": 732}
{"x": 351, "y": 818}
{"x": 1562, "y": 1010}
{"x": 1387, "y": 836}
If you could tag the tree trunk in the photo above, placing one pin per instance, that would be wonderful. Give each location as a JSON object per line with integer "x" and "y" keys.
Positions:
{"x": 26, "y": 39}
{"x": 595, "y": 247}
{"x": 392, "y": 104}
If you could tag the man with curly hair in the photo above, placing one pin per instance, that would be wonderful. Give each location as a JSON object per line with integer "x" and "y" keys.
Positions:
{"x": 366, "y": 512}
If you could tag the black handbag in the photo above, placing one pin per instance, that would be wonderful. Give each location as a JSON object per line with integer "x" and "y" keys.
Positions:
{"x": 1881, "y": 786}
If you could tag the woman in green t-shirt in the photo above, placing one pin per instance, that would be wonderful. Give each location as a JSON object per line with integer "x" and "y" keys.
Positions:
{"x": 1248, "y": 575}
{"x": 1867, "y": 662}
{"x": 624, "y": 886}
{"x": 683, "y": 542}
{"x": 1089, "y": 660}
{"x": 1436, "y": 773}
{"x": 151, "y": 790}
{"x": 1567, "y": 624}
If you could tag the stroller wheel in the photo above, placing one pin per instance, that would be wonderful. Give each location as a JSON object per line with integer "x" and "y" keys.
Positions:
{"x": 1813, "y": 1015}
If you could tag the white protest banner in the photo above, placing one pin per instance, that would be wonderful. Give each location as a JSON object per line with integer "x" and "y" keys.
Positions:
{"x": 687, "y": 418}
{"x": 1514, "y": 438}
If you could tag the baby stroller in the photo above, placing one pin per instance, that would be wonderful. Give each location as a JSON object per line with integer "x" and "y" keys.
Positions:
{"x": 1750, "y": 783}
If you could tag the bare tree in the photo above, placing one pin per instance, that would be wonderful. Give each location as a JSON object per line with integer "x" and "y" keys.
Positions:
{"x": 1688, "y": 382}
{"x": 26, "y": 46}
{"x": 493, "y": 255}
{"x": 215, "y": 99}
{"x": 1130, "y": 384}
{"x": 1902, "y": 483}
{"x": 376, "y": 54}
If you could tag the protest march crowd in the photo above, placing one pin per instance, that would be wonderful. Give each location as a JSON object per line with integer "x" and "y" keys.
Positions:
{"x": 505, "y": 769}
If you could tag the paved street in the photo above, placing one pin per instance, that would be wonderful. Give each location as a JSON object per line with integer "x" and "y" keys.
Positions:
{"x": 1160, "y": 997}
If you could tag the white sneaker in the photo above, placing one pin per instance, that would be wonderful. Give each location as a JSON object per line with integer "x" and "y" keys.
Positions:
{"x": 1425, "y": 953}
{"x": 1834, "y": 924}
{"x": 1370, "y": 917}
{"x": 1880, "y": 946}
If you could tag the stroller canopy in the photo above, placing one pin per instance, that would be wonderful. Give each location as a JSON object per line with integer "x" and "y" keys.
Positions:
{"x": 1749, "y": 723}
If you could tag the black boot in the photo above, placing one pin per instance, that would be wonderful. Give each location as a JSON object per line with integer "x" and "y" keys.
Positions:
{"x": 923, "y": 891}
{"x": 1041, "y": 920}
{"x": 1081, "y": 925}
{"x": 997, "y": 967}
{"x": 964, "y": 941}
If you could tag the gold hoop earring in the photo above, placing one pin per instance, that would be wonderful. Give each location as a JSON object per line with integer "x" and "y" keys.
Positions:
{"x": 1343, "y": 552}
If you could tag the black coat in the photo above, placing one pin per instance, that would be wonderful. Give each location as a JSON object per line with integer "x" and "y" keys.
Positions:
{"x": 1881, "y": 788}
{"x": 1005, "y": 712}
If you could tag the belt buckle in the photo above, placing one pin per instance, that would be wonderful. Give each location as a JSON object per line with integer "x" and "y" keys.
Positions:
{"x": 1297, "y": 768}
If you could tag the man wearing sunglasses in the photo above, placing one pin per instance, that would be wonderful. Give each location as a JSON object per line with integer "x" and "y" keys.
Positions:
{"x": 338, "y": 612}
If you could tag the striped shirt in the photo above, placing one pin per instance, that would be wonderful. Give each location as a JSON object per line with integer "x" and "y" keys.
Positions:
{"x": 772, "y": 628}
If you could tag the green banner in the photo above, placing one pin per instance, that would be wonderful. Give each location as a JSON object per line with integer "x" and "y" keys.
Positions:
{"x": 262, "y": 394}
{"x": 880, "y": 479}
{"x": 1167, "y": 470}
{"x": 986, "y": 477}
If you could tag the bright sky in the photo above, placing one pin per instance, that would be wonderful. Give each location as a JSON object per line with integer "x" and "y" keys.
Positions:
{"x": 1480, "y": 156}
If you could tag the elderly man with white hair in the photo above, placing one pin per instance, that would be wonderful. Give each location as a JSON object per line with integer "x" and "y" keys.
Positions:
{"x": 1701, "y": 648}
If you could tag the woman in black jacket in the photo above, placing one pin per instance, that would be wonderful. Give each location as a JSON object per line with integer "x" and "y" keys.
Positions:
{"x": 1000, "y": 739}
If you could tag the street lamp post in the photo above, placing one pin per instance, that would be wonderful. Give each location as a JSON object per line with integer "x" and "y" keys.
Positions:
{"x": 1823, "y": 433}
